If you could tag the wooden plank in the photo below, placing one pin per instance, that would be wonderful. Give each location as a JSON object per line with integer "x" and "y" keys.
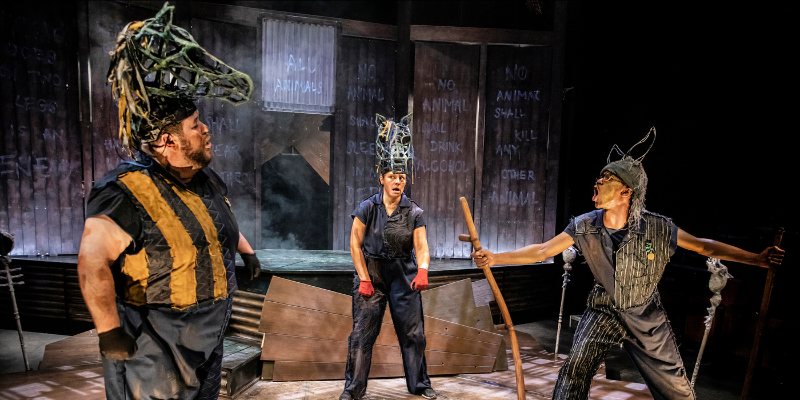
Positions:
{"x": 295, "y": 348}
{"x": 277, "y": 318}
{"x": 444, "y": 122}
{"x": 255, "y": 104}
{"x": 518, "y": 102}
{"x": 480, "y": 126}
{"x": 10, "y": 211}
{"x": 315, "y": 148}
{"x": 368, "y": 30}
{"x": 339, "y": 142}
{"x": 554, "y": 135}
{"x": 105, "y": 21}
{"x": 85, "y": 115}
{"x": 304, "y": 371}
{"x": 452, "y": 302}
{"x": 403, "y": 61}
{"x": 231, "y": 127}
{"x": 440, "y": 350}
{"x": 36, "y": 101}
{"x": 81, "y": 349}
{"x": 297, "y": 294}
{"x": 457, "y": 369}
{"x": 453, "y": 34}
{"x": 452, "y": 344}
{"x": 365, "y": 86}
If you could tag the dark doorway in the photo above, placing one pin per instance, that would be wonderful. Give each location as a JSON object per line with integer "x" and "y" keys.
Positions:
{"x": 295, "y": 204}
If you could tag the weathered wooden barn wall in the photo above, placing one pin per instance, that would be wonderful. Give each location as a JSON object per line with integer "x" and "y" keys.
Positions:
{"x": 365, "y": 87}
{"x": 40, "y": 150}
{"x": 445, "y": 108}
{"x": 231, "y": 127}
{"x": 515, "y": 146}
{"x": 105, "y": 21}
{"x": 457, "y": 78}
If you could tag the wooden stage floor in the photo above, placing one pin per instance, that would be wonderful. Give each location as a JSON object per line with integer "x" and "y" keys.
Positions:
{"x": 84, "y": 381}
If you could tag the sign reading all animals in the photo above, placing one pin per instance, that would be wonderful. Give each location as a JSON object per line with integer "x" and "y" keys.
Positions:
{"x": 299, "y": 61}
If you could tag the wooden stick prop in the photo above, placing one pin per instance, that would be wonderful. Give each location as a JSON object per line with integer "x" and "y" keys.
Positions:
{"x": 762, "y": 321}
{"x": 498, "y": 297}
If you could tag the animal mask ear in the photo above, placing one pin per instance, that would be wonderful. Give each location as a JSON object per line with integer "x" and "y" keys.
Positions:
{"x": 379, "y": 119}
{"x": 406, "y": 120}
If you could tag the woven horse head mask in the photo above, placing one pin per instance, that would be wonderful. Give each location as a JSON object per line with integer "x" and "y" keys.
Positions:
{"x": 154, "y": 58}
{"x": 394, "y": 145}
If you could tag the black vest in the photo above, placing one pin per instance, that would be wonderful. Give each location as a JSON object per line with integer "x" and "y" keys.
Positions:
{"x": 188, "y": 242}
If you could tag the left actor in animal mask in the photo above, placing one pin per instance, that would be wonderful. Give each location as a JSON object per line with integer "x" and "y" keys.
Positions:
{"x": 156, "y": 262}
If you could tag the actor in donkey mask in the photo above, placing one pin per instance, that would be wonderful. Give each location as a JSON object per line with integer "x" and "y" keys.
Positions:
{"x": 627, "y": 248}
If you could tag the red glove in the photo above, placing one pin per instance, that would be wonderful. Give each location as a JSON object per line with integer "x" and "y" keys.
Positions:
{"x": 420, "y": 282}
{"x": 365, "y": 288}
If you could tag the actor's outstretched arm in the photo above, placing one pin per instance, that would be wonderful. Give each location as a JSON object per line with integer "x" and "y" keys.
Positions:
{"x": 102, "y": 243}
{"x": 713, "y": 248}
{"x": 526, "y": 255}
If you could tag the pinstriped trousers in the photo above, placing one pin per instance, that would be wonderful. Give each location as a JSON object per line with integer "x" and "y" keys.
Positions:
{"x": 645, "y": 333}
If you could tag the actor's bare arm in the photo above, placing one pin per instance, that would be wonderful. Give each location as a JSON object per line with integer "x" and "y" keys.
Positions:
{"x": 421, "y": 247}
{"x": 244, "y": 246}
{"x": 102, "y": 243}
{"x": 356, "y": 240}
{"x": 526, "y": 255}
{"x": 712, "y": 248}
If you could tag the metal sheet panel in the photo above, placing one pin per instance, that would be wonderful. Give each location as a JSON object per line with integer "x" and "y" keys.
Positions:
{"x": 299, "y": 72}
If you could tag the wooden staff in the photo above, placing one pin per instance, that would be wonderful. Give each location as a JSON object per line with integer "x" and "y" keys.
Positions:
{"x": 762, "y": 321}
{"x": 476, "y": 244}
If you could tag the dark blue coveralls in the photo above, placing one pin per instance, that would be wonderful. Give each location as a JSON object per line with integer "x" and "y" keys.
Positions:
{"x": 174, "y": 283}
{"x": 624, "y": 306}
{"x": 388, "y": 249}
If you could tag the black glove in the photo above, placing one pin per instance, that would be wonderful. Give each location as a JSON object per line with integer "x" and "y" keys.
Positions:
{"x": 116, "y": 344}
{"x": 252, "y": 265}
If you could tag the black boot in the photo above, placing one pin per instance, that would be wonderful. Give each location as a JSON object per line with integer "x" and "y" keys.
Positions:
{"x": 345, "y": 396}
{"x": 428, "y": 394}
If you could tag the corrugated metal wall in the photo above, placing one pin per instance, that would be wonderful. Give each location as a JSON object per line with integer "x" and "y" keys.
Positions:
{"x": 365, "y": 86}
{"x": 299, "y": 67}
